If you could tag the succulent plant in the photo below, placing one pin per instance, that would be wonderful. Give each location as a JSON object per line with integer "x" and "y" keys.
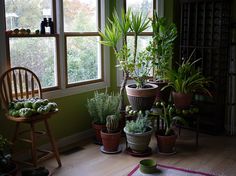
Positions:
{"x": 112, "y": 123}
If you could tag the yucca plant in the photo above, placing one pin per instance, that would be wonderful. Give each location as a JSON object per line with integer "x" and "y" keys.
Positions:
{"x": 133, "y": 64}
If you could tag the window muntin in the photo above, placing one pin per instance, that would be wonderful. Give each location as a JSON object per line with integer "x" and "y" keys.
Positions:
{"x": 83, "y": 58}
{"x": 27, "y": 14}
{"x": 38, "y": 54}
{"x": 143, "y": 41}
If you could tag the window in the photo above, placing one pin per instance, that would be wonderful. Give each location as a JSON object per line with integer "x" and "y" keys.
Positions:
{"x": 37, "y": 54}
{"x": 34, "y": 51}
{"x": 83, "y": 51}
{"x": 70, "y": 57}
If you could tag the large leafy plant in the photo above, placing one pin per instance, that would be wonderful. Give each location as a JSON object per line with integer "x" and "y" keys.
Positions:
{"x": 164, "y": 34}
{"x": 132, "y": 63}
{"x": 102, "y": 105}
{"x": 186, "y": 78}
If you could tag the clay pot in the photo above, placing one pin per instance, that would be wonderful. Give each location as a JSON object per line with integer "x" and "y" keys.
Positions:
{"x": 97, "y": 129}
{"x": 166, "y": 144}
{"x": 138, "y": 142}
{"x": 143, "y": 98}
{"x": 182, "y": 100}
{"x": 162, "y": 95}
{"x": 110, "y": 141}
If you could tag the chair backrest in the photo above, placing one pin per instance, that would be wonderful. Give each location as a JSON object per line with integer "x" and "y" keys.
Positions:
{"x": 19, "y": 83}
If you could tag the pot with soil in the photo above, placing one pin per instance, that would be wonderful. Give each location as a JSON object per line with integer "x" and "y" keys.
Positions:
{"x": 141, "y": 98}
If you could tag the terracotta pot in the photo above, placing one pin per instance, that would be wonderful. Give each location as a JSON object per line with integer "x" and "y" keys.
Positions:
{"x": 166, "y": 144}
{"x": 110, "y": 141}
{"x": 97, "y": 129}
{"x": 182, "y": 100}
{"x": 143, "y": 98}
{"x": 162, "y": 95}
{"x": 138, "y": 142}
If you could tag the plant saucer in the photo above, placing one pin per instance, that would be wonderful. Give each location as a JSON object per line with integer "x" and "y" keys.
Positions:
{"x": 111, "y": 152}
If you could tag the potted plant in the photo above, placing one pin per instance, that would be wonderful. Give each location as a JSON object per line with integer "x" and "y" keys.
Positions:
{"x": 164, "y": 34}
{"x": 186, "y": 80}
{"x": 99, "y": 107}
{"x": 7, "y": 166}
{"x": 138, "y": 133}
{"x": 133, "y": 63}
{"x": 166, "y": 137}
{"x": 111, "y": 135}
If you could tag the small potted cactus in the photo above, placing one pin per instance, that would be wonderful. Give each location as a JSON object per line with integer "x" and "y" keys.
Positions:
{"x": 111, "y": 135}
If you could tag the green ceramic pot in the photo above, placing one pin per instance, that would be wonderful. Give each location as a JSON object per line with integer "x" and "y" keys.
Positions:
{"x": 148, "y": 166}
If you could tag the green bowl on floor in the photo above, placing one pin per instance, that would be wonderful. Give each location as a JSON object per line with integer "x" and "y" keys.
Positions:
{"x": 148, "y": 166}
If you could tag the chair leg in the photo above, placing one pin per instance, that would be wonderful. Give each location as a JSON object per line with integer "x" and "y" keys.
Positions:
{"x": 33, "y": 145}
{"x": 179, "y": 130}
{"x": 15, "y": 133}
{"x": 53, "y": 143}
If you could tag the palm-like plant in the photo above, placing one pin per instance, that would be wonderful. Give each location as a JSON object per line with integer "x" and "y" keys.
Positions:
{"x": 186, "y": 79}
{"x": 116, "y": 31}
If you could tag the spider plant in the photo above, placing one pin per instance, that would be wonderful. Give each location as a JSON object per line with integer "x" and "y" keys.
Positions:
{"x": 186, "y": 79}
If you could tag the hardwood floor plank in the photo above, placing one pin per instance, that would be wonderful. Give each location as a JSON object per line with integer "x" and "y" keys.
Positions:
{"x": 216, "y": 154}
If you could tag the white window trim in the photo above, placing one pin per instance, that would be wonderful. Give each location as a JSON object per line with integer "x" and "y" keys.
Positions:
{"x": 63, "y": 91}
{"x": 120, "y": 5}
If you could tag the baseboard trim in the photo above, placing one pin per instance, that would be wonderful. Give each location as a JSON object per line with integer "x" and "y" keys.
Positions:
{"x": 61, "y": 143}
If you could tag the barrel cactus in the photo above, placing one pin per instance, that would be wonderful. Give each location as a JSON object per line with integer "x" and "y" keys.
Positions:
{"x": 112, "y": 123}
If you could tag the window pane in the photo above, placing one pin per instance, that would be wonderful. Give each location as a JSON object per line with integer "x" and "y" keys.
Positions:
{"x": 144, "y": 6}
{"x": 80, "y": 15}
{"x": 27, "y": 14}
{"x": 83, "y": 59}
{"x": 143, "y": 42}
{"x": 37, "y": 54}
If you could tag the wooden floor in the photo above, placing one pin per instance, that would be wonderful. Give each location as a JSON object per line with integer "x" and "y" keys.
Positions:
{"x": 216, "y": 155}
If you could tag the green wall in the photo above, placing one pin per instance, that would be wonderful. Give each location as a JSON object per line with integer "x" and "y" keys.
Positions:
{"x": 73, "y": 116}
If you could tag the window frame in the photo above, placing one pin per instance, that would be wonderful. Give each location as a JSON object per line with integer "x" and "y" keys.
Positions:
{"x": 62, "y": 89}
{"x": 101, "y": 48}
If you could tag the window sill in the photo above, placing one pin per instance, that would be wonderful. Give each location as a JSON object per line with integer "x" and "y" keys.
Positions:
{"x": 75, "y": 90}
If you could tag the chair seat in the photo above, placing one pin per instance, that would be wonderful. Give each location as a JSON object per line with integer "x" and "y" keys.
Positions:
{"x": 33, "y": 118}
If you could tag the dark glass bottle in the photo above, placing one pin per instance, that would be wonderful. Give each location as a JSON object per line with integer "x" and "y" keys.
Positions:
{"x": 43, "y": 25}
{"x": 51, "y": 25}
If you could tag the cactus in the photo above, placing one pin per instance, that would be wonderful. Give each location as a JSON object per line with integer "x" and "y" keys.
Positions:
{"x": 112, "y": 123}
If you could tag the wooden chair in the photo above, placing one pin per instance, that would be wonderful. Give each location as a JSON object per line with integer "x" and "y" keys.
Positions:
{"x": 18, "y": 83}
